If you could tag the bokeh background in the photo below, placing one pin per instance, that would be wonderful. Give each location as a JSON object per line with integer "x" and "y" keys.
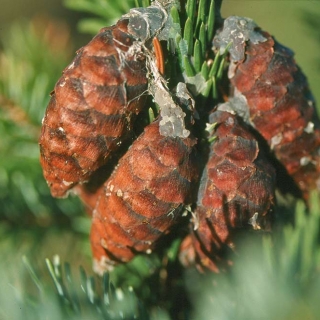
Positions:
{"x": 38, "y": 39}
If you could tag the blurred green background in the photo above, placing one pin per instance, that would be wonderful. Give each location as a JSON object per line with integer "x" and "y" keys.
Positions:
{"x": 38, "y": 39}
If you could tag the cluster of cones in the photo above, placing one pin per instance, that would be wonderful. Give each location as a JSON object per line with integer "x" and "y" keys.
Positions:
{"x": 268, "y": 123}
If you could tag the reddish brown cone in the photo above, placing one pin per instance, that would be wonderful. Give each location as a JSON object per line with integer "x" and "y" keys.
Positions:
{"x": 187, "y": 253}
{"x": 144, "y": 197}
{"x": 92, "y": 108}
{"x": 236, "y": 189}
{"x": 281, "y": 107}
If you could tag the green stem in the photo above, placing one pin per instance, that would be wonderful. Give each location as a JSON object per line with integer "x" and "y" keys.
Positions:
{"x": 217, "y": 10}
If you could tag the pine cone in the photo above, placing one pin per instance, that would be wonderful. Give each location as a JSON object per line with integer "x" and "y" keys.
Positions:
{"x": 143, "y": 197}
{"x": 236, "y": 189}
{"x": 89, "y": 193}
{"x": 280, "y": 104}
{"x": 187, "y": 253}
{"x": 92, "y": 108}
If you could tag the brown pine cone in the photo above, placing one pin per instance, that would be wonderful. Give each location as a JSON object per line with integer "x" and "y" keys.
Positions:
{"x": 187, "y": 253}
{"x": 143, "y": 197}
{"x": 89, "y": 193}
{"x": 280, "y": 104}
{"x": 92, "y": 108}
{"x": 236, "y": 189}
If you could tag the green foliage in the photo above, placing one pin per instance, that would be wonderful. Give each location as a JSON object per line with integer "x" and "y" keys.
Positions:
{"x": 106, "y": 12}
{"x": 297, "y": 255}
{"x": 30, "y": 64}
{"x": 274, "y": 276}
{"x": 194, "y": 48}
{"x": 277, "y": 278}
{"x": 83, "y": 297}
{"x": 26, "y": 78}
